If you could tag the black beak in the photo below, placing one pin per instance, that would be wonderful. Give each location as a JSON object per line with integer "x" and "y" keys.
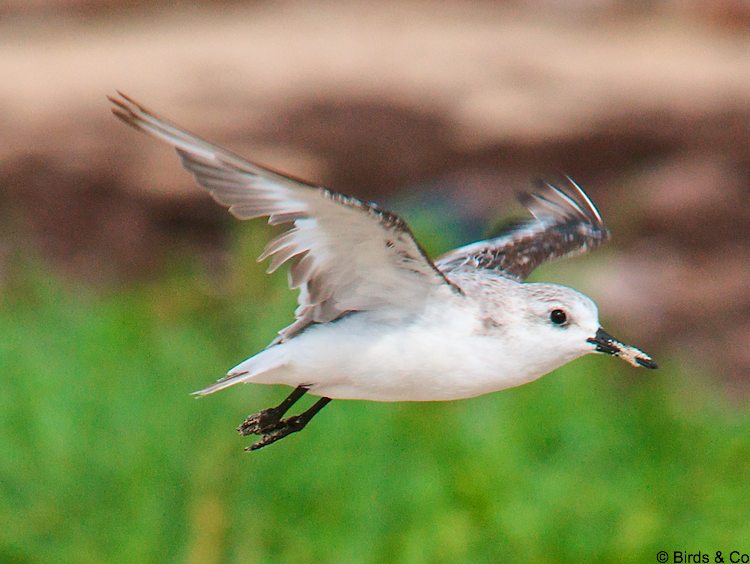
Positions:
{"x": 606, "y": 343}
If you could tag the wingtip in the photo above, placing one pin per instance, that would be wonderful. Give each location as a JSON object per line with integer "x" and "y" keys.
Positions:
{"x": 581, "y": 193}
{"x": 120, "y": 109}
{"x": 129, "y": 111}
{"x": 572, "y": 196}
{"x": 126, "y": 117}
{"x": 127, "y": 98}
{"x": 118, "y": 99}
{"x": 126, "y": 103}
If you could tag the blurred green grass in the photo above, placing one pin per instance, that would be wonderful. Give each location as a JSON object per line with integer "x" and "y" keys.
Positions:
{"x": 106, "y": 457}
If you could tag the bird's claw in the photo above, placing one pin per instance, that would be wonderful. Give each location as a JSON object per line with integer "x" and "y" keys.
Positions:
{"x": 260, "y": 423}
{"x": 277, "y": 431}
{"x": 269, "y": 423}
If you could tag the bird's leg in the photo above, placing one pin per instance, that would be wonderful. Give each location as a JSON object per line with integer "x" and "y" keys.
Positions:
{"x": 289, "y": 425}
{"x": 266, "y": 420}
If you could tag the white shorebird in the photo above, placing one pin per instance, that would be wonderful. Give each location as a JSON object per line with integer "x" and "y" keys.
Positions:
{"x": 377, "y": 320}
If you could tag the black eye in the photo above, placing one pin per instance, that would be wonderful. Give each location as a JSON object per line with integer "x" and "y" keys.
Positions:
{"x": 558, "y": 317}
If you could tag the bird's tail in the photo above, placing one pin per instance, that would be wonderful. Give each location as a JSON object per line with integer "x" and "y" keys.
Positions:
{"x": 264, "y": 361}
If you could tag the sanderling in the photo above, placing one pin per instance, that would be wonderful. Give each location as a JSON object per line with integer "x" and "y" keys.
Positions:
{"x": 377, "y": 319}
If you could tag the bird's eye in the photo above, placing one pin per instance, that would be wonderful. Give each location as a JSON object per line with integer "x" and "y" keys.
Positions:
{"x": 558, "y": 317}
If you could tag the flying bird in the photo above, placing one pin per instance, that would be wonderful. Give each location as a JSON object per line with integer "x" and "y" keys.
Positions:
{"x": 376, "y": 318}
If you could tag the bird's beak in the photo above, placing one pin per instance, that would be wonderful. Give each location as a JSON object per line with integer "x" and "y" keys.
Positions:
{"x": 606, "y": 343}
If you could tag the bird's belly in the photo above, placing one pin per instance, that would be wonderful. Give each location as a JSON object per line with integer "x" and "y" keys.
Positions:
{"x": 403, "y": 363}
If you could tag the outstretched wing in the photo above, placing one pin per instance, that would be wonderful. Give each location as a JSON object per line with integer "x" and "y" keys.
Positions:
{"x": 566, "y": 223}
{"x": 345, "y": 255}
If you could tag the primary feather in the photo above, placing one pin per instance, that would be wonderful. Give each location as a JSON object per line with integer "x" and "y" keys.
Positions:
{"x": 566, "y": 223}
{"x": 345, "y": 255}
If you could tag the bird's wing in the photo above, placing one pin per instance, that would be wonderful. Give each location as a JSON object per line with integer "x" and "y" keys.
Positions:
{"x": 566, "y": 223}
{"x": 345, "y": 255}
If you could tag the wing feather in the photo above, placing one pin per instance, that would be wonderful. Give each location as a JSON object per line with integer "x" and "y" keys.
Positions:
{"x": 345, "y": 255}
{"x": 566, "y": 223}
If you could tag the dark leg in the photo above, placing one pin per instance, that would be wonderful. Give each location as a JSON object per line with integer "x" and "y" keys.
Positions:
{"x": 264, "y": 421}
{"x": 290, "y": 425}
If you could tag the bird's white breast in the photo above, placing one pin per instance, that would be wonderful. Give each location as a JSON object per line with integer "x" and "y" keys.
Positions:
{"x": 440, "y": 353}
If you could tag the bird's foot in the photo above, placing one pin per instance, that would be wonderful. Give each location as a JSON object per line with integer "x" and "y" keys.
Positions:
{"x": 278, "y": 431}
{"x": 272, "y": 427}
{"x": 261, "y": 423}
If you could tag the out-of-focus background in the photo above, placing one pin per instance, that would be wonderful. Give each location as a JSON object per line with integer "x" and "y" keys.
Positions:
{"x": 123, "y": 287}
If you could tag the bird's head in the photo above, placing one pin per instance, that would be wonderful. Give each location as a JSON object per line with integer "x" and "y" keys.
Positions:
{"x": 567, "y": 321}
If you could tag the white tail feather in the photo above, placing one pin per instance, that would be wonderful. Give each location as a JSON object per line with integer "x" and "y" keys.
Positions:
{"x": 246, "y": 371}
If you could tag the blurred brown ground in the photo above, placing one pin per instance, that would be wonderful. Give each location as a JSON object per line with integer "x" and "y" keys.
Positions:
{"x": 646, "y": 104}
